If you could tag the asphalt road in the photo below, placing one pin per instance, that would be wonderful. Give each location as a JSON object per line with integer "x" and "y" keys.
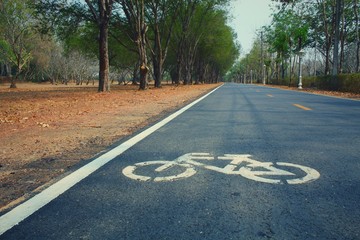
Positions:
{"x": 302, "y": 180}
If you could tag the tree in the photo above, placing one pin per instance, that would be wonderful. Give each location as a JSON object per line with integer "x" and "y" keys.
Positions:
{"x": 323, "y": 33}
{"x": 356, "y": 13}
{"x": 64, "y": 17}
{"x": 217, "y": 49}
{"x": 42, "y": 49}
{"x": 330, "y": 27}
{"x": 137, "y": 26}
{"x": 338, "y": 8}
{"x": 122, "y": 56}
{"x": 186, "y": 13}
{"x": 16, "y": 34}
{"x": 286, "y": 36}
{"x": 189, "y": 28}
{"x": 161, "y": 16}
{"x": 101, "y": 15}
{"x": 134, "y": 11}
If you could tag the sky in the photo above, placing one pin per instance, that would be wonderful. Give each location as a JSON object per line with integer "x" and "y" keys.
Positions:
{"x": 248, "y": 16}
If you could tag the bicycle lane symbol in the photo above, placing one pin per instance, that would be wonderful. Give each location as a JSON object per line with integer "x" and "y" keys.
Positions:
{"x": 239, "y": 164}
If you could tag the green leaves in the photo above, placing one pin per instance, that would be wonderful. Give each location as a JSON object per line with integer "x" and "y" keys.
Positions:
{"x": 288, "y": 32}
{"x": 200, "y": 26}
{"x": 16, "y": 33}
{"x": 5, "y": 51}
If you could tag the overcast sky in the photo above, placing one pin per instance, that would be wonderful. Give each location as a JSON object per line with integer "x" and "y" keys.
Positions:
{"x": 248, "y": 16}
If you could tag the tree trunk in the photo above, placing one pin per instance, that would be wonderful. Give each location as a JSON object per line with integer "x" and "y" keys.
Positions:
{"x": 135, "y": 78}
{"x": 162, "y": 35}
{"x": 335, "y": 66}
{"x": 179, "y": 62}
{"x": 101, "y": 15}
{"x": 8, "y": 70}
{"x": 357, "y": 35}
{"x": 290, "y": 75}
{"x": 143, "y": 58}
{"x": 188, "y": 69}
{"x": 337, "y": 38}
{"x": 157, "y": 59}
{"x": 104, "y": 83}
{"x": 135, "y": 15}
{"x": 327, "y": 57}
{"x": 2, "y": 69}
{"x": 328, "y": 39}
{"x": 187, "y": 10}
{"x": 143, "y": 77}
{"x": 343, "y": 35}
{"x": 157, "y": 71}
{"x": 13, "y": 82}
{"x": 201, "y": 73}
{"x": 18, "y": 71}
{"x": 191, "y": 47}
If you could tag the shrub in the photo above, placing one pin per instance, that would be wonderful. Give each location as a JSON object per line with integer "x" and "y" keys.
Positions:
{"x": 342, "y": 82}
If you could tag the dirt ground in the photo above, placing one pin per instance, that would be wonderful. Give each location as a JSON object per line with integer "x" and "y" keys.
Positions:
{"x": 47, "y": 131}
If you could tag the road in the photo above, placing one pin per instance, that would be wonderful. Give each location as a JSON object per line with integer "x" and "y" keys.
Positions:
{"x": 266, "y": 164}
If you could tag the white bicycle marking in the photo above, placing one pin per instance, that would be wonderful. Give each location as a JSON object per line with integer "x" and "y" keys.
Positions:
{"x": 129, "y": 171}
{"x": 239, "y": 164}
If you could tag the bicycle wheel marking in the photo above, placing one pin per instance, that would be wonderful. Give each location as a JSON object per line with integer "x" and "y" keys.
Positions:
{"x": 312, "y": 174}
{"x": 129, "y": 171}
{"x": 239, "y": 164}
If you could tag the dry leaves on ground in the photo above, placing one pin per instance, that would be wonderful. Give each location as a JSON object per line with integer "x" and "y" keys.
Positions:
{"x": 46, "y": 130}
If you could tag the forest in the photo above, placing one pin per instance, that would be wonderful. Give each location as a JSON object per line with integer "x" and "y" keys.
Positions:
{"x": 323, "y": 33}
{"x": 100, "y": 41}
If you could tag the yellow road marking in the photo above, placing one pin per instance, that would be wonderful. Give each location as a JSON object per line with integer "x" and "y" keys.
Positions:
{"x": 302, "y": 107}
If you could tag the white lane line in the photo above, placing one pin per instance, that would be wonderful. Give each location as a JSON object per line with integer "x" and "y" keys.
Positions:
{"x": 21, "y": 212}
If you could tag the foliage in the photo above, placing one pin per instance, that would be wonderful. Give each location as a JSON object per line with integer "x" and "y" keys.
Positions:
{"x": 344, "y": 83}
{"x": 311, "y": 26}
{"x": 217, "y": 46}
{"x": 63, "y": 18}
{"x": 194, "y": 31}
{"x": 203, "y": 47}
{"x": 5, "y": 51}
{"x": 16, "y": 34}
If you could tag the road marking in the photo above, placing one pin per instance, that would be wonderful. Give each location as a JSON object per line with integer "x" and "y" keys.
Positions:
{"x": 238, "y": 164}
{"x": 269, "y": 95}
{"x": 302, "y": 107}
{"x": 21, "y": 212}
{"x": 164, "y": 165}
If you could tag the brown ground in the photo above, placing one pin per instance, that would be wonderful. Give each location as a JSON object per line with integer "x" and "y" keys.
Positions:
{"x": 47, "y": 131}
